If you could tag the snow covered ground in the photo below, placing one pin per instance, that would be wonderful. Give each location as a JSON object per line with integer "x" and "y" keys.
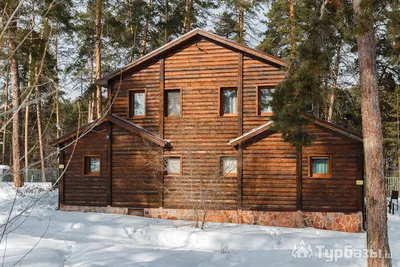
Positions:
{"x": 46, "y": 237}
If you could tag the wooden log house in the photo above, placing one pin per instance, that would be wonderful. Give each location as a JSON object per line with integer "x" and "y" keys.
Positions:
{"x": 193, "y": 113}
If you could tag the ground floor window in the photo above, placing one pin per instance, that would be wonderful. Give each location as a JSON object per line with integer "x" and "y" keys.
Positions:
{"x": 320, "y": 166}
{"x": 173, "y": 165}
{"x": 229, "y": 166}
{"x": 91, "y": 165}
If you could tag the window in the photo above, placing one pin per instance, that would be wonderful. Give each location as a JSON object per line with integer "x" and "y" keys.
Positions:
{"x": 228, "y": 166}
{"x": 137, "y": 103}
{"x": 172, "y": 102}
{"x": 320, "y": 166}
{"x": 173, "y": 165}
{"x": 91, "y": 165}
{"x": 264, "y": 96}
{"x": 228, "y": 101}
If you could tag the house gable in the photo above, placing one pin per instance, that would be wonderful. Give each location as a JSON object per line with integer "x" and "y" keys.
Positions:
{"x": 191, "y": 36}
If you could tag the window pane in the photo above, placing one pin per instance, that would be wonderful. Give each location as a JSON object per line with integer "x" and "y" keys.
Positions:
{"x": 94, "y": 164}
{"x": 229, "y": 165}
{"x": 229, "y": 101}
{"x": 138, "y": 105}
{"x": 173, "y": 102}
{"x": 320, "y": 165}
{"x": 265, "y": 98}
{"x": 173, "y": 165}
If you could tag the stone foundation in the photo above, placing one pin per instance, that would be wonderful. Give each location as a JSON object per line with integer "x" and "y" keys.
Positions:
{"x": 336, "y": 221}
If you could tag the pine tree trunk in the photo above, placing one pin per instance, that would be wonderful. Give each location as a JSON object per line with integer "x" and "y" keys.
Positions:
{"x": 132, "y": 31}
{"x": 186, "y": 19}
{"x": 92, "y": 96}
{"x": 292, "y": 29}
{"x": 98, "y": 55}
{"x": 335, "y": 79}
{"x": 166, "y": 22}
{"x": 146, "y": 29}
{"x": 241, "y": 23}
{"x": 377, "y": 235}
{"x": 16, "y": 130}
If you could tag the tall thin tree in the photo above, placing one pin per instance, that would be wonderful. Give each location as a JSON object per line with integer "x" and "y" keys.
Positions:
{"x": 98, "y": 55}
{"x": 377, "y": 234}
{"x": 16, "y": 129}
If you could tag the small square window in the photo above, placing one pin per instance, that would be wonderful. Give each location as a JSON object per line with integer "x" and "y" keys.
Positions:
{"x": 137, "y": 103}
{"x": 173, "y": 165}
{"x": 91, "y": 165}
{"x": 320, "y": 166}
{"x": 229, "y": 166}
{"x": 228, "y": 101}
{"x": 172, "y": 102}
{"x": 264, "y": 98}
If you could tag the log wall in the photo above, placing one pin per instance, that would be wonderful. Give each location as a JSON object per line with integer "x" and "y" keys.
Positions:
{"x": 80, "y": 189}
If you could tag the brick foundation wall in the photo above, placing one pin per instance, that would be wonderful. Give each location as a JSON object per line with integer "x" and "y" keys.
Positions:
{"x": 336, "y": 221}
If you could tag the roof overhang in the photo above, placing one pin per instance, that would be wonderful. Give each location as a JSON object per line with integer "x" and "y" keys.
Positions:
{"x": 322, "y": 123}
{"x": 154, "y": 55}
{"x": 125, "y": 124}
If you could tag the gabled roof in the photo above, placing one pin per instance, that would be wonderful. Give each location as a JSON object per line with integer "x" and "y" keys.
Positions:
{"x": 125, "y": 124}
{"x": 269, "y": 126}
{"x": 185, "y": 38}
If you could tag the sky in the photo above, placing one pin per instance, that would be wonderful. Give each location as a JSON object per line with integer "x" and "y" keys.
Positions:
{"x": 72, "y": 88}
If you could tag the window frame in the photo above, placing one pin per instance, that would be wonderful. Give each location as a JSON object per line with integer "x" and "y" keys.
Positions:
{"x": 258, "y": 99}
{"x": 221, "y": 101}
{"x": 166, "y": 102}
{"x": 221, "y": 165}
{"x": 317, "y": 175}
{"x": 166, "y": 164}
{"x": 131, "y": 107}
{"x": 85, "y": 165}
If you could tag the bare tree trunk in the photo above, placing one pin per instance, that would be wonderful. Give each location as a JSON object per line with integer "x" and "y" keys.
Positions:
{"x": 377, "y": 235}
{"x": 186, "y": 19}
{"x": 16, "y": 130}
{"x": 57, "y": 96}
{"x": 292, "y": 29}
{"x": 39, "y": 126}
{"x": 92, "y": 96}
{"x": 98, "y": 55}
{"x": 241, "y": 23}
{"x": 335, "y": 79}
{"x": 166, "y": 22}
{"x": 146, "y": 29}
{"x": 27, "y": 107}
{"x": 3, "y": 153}
{"x": 132, "y": 31}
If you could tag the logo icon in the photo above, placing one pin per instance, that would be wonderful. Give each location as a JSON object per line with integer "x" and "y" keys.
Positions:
{"x": 302, "y": 250}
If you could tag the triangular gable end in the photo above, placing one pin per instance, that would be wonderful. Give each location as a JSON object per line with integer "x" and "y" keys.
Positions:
{"x": 322, "y": 123}
{"x": 116, "y": 120}
{"x": 184, "y": 39}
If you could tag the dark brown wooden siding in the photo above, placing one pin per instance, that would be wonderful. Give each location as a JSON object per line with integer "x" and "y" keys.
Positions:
{"x": 134, "y": 170}
{"x": 80, "y": 189}
{"x": 148, "y": 79}
{"x": 269, "y": 175}
{"x": 339, "y": 192}
{"x": 201, "y": 135}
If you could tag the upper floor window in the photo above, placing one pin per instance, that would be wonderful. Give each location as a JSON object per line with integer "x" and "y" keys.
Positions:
{"x": 91, "y": 165}
{"x": 264, "y": 96}
{"x": 172, "y": 101}
{"x": 228, "y": 101}
{"x": 320, "y": 166}
{"x": 137, "y": 103}
{"x": 229, "y": 166}
{"x": 173, "y": 165}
